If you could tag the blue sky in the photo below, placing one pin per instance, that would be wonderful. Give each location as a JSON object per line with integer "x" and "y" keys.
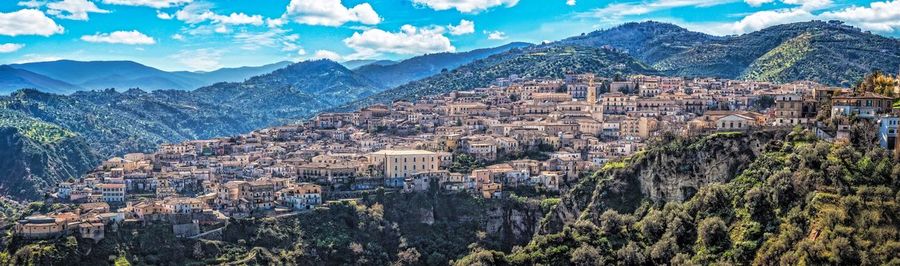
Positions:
{"x": 206, "y": 35}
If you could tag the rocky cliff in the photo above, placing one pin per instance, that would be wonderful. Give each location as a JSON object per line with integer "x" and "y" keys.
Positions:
{"x": 673, "y": 172}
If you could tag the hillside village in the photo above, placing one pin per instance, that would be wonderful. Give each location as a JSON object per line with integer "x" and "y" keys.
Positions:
{"x": 518, "y": 133}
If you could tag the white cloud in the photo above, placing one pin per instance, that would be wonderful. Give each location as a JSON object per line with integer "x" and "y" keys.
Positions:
{"x": 272, "y": 38}
{"x": 878, "y": 16}
{"x": 239, "y": 19}
{"x": 764, "y": 19}
{"x": 32, "y": 3}
{"x": 120, "y": 37}
{"x": 465, "y": 6}
{"x": 570, "y": 2}
{"x": 495, "y": 35}
{"x": 150, "y": 3}
{"x": 326, "y": 54}
{"x": 73, "y": 9}
{"x": 329, "y": 13}
{"x": 618, "y": 10}
{"x": 177, "y": 37}
{"x": 164, "y": 15}
{"x": 10, "y": 47}
{"x": 198, "y": 13}
{"x": 408, "y": 41}
{"x": 809, "y": 4}
{"x": 274, "y": 22}
{"x": 199, "y": 59}
{"x": 28, "y": 22}
{"x": 464, "y": 27}
{"x": 757, "y": 3}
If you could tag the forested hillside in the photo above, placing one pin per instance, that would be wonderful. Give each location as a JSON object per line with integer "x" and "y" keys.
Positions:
{"x": 785, "y": 199}
{"x": 826, "y": 52}
{"x": 35, "y": 155}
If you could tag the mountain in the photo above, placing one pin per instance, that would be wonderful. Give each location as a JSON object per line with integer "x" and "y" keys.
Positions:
{"x": 550, "y": 61}
{"x": 826, "y": 52}
{"x": 419, "y": 67}
{"x": 127, "y": 74}
{"x": 109, "y": 74}
{"x": 232, "y": 74}
{"x": 12, "y": 79}
{"x": 647, "y": 41}
{"x": 35, "y": 155}
{"x": 354, "y": 64}
{"x": 297, "y": 90}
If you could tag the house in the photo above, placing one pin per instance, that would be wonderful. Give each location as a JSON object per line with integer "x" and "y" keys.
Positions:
{"x": 112, "y": 193}
{"x": 92, "y": 229}
{"x": 735, "y": 122}
{"x": 301, "y": 196}
{"x": 866, "y": 105}
{"x": 40, "y": 227}
{"x": 404, "y": 163}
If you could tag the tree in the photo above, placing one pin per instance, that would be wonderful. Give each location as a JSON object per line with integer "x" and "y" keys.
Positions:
{"x": 586, "y": 255}
{"x": 712, "y": 233}
{"x": 408, "y": 256}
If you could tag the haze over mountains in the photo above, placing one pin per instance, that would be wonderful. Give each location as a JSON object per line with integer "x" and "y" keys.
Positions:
{"x": 110, "y": 122}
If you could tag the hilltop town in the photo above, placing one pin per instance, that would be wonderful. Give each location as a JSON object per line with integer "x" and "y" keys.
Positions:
{"x": 542, "y": 135}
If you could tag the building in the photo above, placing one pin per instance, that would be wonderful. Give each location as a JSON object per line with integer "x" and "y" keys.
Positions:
{"x": 887, "y": 132}
{"x": 404, "y": 163}
{"x": 112, "y": 193}
{"x": 302, "y": 196}
{"x": 793, "y": 109}
{"x": 867, "y": 105}
{"x": 41, "y": 227}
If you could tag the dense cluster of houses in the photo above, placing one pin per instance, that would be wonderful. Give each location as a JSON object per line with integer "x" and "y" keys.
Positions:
{"x": 518, "y": 132}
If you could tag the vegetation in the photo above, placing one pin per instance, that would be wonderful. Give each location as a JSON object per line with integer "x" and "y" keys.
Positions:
{"x": 379, "y": 229}
{"x": 802, "y": 201}
{"x": 826, "y": 52}
{"x": 880, "y": 83}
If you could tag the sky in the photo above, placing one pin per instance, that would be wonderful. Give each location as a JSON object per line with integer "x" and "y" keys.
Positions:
{"x": 203, "y": 35}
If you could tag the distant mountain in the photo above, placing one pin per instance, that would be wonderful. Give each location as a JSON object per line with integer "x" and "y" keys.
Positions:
{"x": 296, "y": 90}
{"x": 354, "y": 64}
{"x": 12, "y": 79}
{"x": 549, "y": 61}
{"x": 127, "y": 74}
{"x": 424, "y": 66}
{"x": 647, "y": 41}
{"x": 110, "y": 74}
{"x": 826, "y": 52}
{"x": 232, "y": 74}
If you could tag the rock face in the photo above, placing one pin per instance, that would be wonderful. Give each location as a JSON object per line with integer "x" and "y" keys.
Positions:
{"x": 673, "y": 172}
{"x": 516, "y": 223}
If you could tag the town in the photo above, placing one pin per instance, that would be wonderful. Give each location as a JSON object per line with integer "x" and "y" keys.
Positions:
{"x": 541, "y": 135}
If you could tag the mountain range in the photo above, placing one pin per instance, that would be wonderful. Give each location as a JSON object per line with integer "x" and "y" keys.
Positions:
{"x": 109, "y": 122}
{"x": 67, "y": 76}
